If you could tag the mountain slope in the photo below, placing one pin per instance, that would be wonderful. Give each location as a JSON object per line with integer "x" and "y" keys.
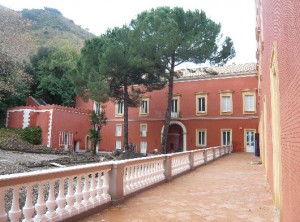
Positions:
{"x": 22, "y": 33}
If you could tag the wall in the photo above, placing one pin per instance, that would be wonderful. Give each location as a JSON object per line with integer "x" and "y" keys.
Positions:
{"x": 186, "y": 90}
{"x": 279, "y": 43}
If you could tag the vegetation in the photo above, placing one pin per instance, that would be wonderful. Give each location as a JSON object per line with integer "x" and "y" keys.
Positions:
{"x": 52, "y": 70}
{"x": 109, "y": 68}
{"x": 26, "y": 32}
{"x": 97, "y": 120}
{"x": 32, "y": 135}
{"x": 171, "y": 37}
{"x": 14, "y": 84}
{"x": 30, "y": 29}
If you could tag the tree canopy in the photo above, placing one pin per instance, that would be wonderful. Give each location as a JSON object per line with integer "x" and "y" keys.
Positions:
{"x": 14, "y": 84}
{"x": 110, "y": 68}
{"x": 52, "y": 70}
{"x": 170, "y": 37}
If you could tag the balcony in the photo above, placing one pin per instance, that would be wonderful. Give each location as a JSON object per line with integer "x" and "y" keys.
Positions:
{"x": 66, "y": 194}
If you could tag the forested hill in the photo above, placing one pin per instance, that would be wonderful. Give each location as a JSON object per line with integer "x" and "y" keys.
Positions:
{"x": 23, "y": 32}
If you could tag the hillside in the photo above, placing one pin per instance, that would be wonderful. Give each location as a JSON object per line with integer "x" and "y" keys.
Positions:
{"x": 22, "y": 32}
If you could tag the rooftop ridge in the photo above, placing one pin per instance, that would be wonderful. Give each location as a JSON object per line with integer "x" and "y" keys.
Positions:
{"x": 217, "y": 70}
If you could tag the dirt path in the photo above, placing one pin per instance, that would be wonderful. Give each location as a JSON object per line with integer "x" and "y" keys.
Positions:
{"x": 229, "y": 189}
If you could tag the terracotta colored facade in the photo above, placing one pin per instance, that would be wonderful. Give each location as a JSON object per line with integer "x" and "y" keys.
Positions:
{"x": 62, "y": 127}
{"x": 209, "y": 110}
{"x": 234, "y": 81}
{"x": 278, "y": 40}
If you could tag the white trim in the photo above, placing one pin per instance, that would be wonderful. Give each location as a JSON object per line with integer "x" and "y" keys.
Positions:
{"x": 26, "y": 118}
{"x": 183, "y": 132}
{"x": 190, "y": 118}
{"x": 50, "y": 127}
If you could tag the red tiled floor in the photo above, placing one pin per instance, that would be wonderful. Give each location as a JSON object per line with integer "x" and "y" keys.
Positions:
{"x": 228, "y": 189}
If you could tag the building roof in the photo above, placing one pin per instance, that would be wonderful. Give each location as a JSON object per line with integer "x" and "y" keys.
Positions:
{"x": 219, "y": 70}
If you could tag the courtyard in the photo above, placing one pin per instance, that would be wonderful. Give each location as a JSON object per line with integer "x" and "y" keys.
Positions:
{"x": 233, "y": 188}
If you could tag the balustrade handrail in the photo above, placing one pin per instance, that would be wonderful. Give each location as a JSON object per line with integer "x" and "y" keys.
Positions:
{"x": 49, "y": 174}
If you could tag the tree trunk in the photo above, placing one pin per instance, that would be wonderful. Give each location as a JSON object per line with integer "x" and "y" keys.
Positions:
{"x": 126, "y": 98}
{"x": 168, "y": 111}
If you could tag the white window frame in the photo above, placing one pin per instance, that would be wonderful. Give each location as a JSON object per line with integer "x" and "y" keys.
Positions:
{"x": 230, "y": 136}
{"x": 247, "y": 93}
{"x": 201, "y": 143}
{"x": 119, "y": 111}
{"x": 175, "y": 110}
{"x": 201, "y": 95}
{"x": 226, "y": 109}
{"x": 118, "y": 130}
{"x": 118, "y": 145}
{"x": 144, "y": 112}
{"x": 143, "y": 147}
{"x": 143, "y": 132}
{"x": 97, "y": 107}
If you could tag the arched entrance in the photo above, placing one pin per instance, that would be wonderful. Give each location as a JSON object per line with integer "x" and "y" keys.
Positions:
{"x": 176, "y": 140}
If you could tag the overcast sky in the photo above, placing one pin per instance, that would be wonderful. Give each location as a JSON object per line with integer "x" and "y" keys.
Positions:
{"x": 236, "y": 16}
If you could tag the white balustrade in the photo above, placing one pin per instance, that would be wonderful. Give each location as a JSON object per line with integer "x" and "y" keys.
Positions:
{"x": 199, "y": 158}
{"x": 67, "y": 192}
{"x": 44, "y": 201}
{"x": 210, "y": 154}
{"x": 139, "y": 174}
{"x": 180, "y": 163}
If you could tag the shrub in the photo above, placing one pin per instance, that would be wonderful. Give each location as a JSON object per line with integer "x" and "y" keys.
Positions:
{"x": 32, "y": 135}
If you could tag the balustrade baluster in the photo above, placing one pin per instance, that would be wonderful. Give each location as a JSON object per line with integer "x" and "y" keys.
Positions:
{"x": 40, "y": 206}
{"x": 15, "y": 212}
{"x": 106, "y": 196}
{"x": 152, "y": 173}
{"x": 51, "y": 202}
{"x": 131, "y": 184}
{"x": 78, "y": 195}
{"x": 135, "y": 183}
{"x": 3, "y": 214}
{"x": 86, "y": 192}
{"x": 70, "y": 198}
{"x": 127, "y": 181}
{"x": 92, "y": 190}
{"x": 139, "y": 182}
{"x": 28, "y": 209}
{"x": 99, "y": 189}
{"x": 61, "y": 200}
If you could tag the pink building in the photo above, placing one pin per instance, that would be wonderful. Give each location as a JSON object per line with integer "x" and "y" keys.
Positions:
{"x": 211, "y": 107}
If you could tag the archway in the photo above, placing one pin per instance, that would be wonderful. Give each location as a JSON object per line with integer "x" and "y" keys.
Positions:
{"x": 176, "y": 140}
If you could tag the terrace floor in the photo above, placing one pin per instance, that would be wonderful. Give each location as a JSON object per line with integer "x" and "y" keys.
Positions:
{"x": 231, "y": 188}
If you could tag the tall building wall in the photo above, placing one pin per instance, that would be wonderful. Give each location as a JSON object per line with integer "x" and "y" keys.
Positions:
{"x": 278, "y": 35}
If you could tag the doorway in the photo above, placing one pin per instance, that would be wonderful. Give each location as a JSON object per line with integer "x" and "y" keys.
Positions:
{"x": 250, "y": 140}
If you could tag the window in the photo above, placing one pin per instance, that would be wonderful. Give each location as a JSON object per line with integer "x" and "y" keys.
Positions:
{"x": 143, "y": 128}
{"x": 118, "y": 130}
{"x": 119, "y": 108}
{"x": 226, "y": 103}
{"x": 65, "y": 139}
{"x": 143, "y": 147}
{"x": 249, "y": 102}
{"x": 225, "y": 137}
{"x": 144, "y": 110}
{"x": 97, "y": 107}
{"x": 201, "y": 137}
{"x": 118, "y": 145}
{"x": 175, "y": 107}
{"x": 201, "y": 103}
